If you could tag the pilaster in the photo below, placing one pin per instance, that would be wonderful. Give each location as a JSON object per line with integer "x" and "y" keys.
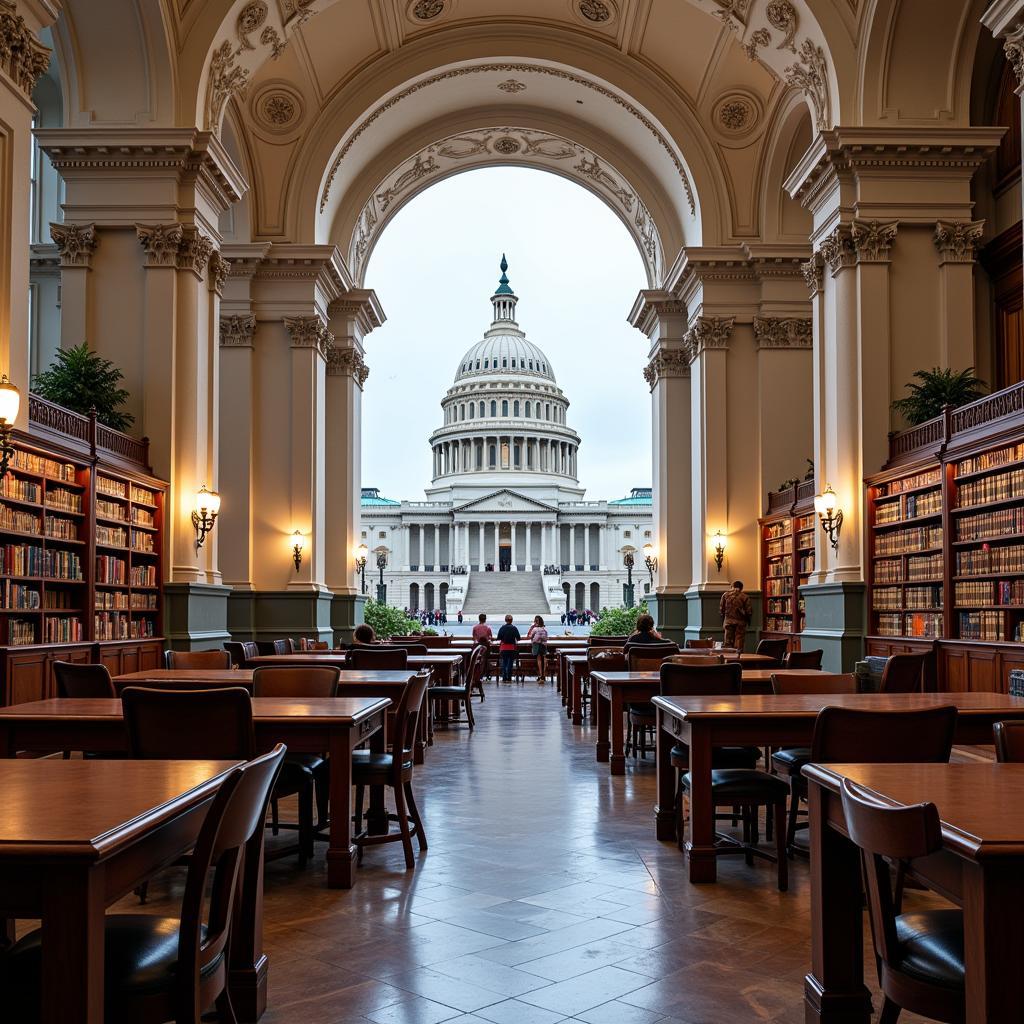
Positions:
{"x": 76, "y": 244}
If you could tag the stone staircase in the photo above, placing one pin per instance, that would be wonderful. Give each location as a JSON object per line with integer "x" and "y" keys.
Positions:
{"x": 503, "y": 593}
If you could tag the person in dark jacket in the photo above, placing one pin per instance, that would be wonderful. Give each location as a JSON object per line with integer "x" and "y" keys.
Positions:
{"x": 508, "y": 647}
{"x": 645, "y": 633}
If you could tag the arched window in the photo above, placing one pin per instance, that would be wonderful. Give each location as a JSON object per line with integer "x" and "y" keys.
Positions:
{"x": 494, "y": 407}
{"x": 504, "y": 363}
{"x": 478, "y": 364}
{"x": 492, "y": 456}
{"x": 527, "y": 410}
{"x": 515, "y": 408}
{"x": 504, "y": 407}
{"x": 547, "y": 410}
{"x": 486, "y": 364}
{"x": 513, "y": 363}
{"x": 462, "y": 411}
{"x": 531, "y": 364}
{"x": 481, "y": 410}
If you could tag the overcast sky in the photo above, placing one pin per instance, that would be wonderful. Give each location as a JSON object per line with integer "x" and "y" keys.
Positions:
{"x": 576, "y": 271}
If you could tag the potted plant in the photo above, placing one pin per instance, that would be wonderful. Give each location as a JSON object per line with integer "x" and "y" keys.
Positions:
{"x": 938, "y": 388}
{"x": 80, "y": 380}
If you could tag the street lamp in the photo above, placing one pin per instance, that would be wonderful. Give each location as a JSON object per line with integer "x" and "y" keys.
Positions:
{"x": 650, "y": 560}
{"x": 360, "y": 564}
{"x": 627, "y": 561}
{"x": 382, "y": 564}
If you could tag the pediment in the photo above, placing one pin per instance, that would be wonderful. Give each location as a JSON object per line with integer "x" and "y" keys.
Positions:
{"x": 504, "y": 502}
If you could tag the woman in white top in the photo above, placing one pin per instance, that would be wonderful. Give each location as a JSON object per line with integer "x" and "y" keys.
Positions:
{"x": 537, "y": 634}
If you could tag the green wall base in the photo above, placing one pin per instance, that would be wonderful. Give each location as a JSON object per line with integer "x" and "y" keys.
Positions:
{"x": 346, "y": 614}
{"x": 196, "y": 616}
{"x": 669, "y": 612}
{"x": 835, "y": 618}
{"x": 704, "y": 620}
{"x": 276, "y": 614}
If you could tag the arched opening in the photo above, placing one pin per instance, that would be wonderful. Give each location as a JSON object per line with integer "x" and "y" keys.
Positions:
{"x": 414, "y": 597}
{"x": 443, "y": 597}
{"x": 595, "y": 598}
{"x": 581, "y": 597}
{"x": 428, "y": 597}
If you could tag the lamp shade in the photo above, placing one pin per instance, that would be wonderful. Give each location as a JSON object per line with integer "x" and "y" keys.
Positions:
{"x": 825, "y": 502}
{"x": 296, "y": 540}
{"x": 10, "y": 400}
{"x": 207, "y": 501}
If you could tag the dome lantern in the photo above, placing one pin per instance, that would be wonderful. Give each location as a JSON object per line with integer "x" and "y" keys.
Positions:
{"x": 504, "y": 299}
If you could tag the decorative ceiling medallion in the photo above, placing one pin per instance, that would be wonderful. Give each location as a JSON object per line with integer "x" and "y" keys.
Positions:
{"x": 507, "y": 146}
{"x": 511, "y": 86}
{"x": 277, "y": 108}
{"x": 426, "y": 10}
{"x": 250, "y": 18}
{"x": 782, "y": 16}
{"x": 595, "y": 10}
{"x": 736, "y": 113}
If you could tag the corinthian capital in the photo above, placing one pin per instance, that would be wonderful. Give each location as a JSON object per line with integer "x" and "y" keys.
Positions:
{"x": 220, "y": 268}
{"x": 958, "y": 241}
{"x": 194, "y": 251}
{"x": 709, "y": 332}
{"x": 22, "y": 56}
{"x": 75, "y": 242}
{"x": 872, "y": 240}
{"x": 309, "y": 332}
{"x": 160, "y": 243}
{"x": 783, "y": 332}
{"x": 669, "y": 362}
{"x": 237, "y": 331}
{"x": 347, "y": 362}
{"x": 1013, "y": 47}
{"x": 814, "y": 273}
{"x": 837, "y": 250}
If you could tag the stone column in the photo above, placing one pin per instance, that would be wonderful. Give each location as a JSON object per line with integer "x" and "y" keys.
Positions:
{"x": 572, "y": 546}
{"x": 586, "y": 546}
{"x": 512, "y": 549}
{"x": 529, "y": 547}
{"x": 76, "y": 244}
{"x": 957, "y": 243}
{"x": 497, "y": 543}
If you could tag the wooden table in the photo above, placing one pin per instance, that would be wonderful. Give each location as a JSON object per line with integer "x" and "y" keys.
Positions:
{"x": 76, "y": 836}
{"x": 310, "y": 726}
{"x": 445, "y": 666}
{"x": 613, "y": 691}
{"x": 980, "y": 867}
{"x": 778, "y": 721}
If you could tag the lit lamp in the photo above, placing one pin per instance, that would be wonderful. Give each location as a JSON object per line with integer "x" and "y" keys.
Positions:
{"x": 204, "y": 513}
{"x": 360, "y": 563}
{"x": 382, "y": 564}
{"x": 830, "y": 515}
{"x": 10, "y": 403}
{"x": 627, "y": 561}
{"x": 719, "y": 540}
{"x": 650, "y": 560}
{"x": 298, "y": 543}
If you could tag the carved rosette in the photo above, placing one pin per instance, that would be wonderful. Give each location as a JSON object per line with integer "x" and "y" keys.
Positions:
{"x": 783, "y": 332}
{"x": 873, "y": 240}
{"x": 160, "y": 242}
{"x": 309, "y": 332}
{"x": 237, "y": 331}
{"x": 220, "y": 269}
{"x": 838, "y": 249}
{"x": 709, "y": 332}
{"x": 347, "y": 362}
{"x": 814, "y": 273}
{"x": 669, "y": 362}
{"x": 194, "y": 252}
{"x": 75, "y": 243}
{"x": 958, "y": 241}
{"x": 22, "y": 56}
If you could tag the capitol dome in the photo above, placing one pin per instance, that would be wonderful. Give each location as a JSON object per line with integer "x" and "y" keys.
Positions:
{"x": 502, "y": 350}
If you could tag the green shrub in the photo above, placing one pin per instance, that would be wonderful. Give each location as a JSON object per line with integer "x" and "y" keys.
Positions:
{"x": 938, "y": 388}
{"x": 618, "y": 621}
{"x": 81, "y": 380}
{"x": 387, "y": 621}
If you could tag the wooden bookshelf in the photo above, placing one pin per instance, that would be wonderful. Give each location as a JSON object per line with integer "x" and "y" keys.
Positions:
{"x": 962, "y": 592}
{"x": 788, "y": 534}
{"x": 81, "y": 544}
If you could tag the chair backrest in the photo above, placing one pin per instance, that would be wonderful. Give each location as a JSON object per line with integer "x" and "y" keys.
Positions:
{"x": 475, "y": 669}
{"x": 369, "y": 658}
{"x": 713, "y": 680}
{"x": 606, "y": 641}
{"x": 231, "y": 836}
{"x": 189, "y": 725}
{"x": 848, "y": 736}
{"x": 407, "y": 716}
{"x": 698, "y": 645}
{"x": 606, "y": 660}
{"x": 295, "y": 681}
{"x": 236, "y": 652}
{"x": 881, "y": 831}
{"x": 648, "y": 657}
{"x": 435, "y": 641}
{"x": 708, "y": 658}
{"x": 903, "y": 673}
{"x": 820, "y": 682}
{"x": 1009, "y": 740}
{"x": 197, "y": 659}
{"x": 250, "y": 650}
{"x": 802, "y": 659}
{"x": 773, "y": 649}
{"x": 83, "y": 680}
{"x": 305, "y": 644}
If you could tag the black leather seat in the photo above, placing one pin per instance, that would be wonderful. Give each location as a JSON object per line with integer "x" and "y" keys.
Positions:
{"x": 366, "y": 763}
{"x": 728, "y": 784}
{"x": 721, "y": 757}
{"x": 932, "y": 946}
{"x": 791, "y": 758}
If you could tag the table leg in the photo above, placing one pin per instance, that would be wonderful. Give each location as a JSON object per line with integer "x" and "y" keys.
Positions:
{"x": 602, "y": 723}
{"x": 618, "y": 765}
{"x": 700, "y": 846}
{"x": 834, "y": 991}
{"x": 377, "y": 815}
{"x": 563, "y": 680}
{"x": 247, "y": 971}
{"x": 665, "y": 809}
{"x": 72, "y": 930}
{"x": 341, "y": 854}
{"x": 577, "y": 695}
{"x": 993, "y": 939}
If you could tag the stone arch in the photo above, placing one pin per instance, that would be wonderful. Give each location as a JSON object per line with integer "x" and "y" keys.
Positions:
{"x": 595, "y": 598}
{"x": 428, "y": 597}
{"x": 783, "y": 218}
{"x": 580, "y": 598}
{"x": 414, "y": 597}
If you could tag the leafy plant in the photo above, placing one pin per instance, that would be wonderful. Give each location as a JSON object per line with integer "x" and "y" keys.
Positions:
{"x": 387, "y": 621}
{"x": 786, "y": 484}
{"x": 618, "y": 621}
{"x": 938, "y": 388}
{"x": 427, "y": 631}
{"x": 81, "y": 380}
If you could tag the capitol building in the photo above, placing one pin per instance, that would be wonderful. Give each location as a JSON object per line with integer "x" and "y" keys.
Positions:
{"x": 505, "y": 526}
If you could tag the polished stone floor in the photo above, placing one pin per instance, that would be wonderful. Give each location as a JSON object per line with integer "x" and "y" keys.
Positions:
{"x": 543, "y": 898}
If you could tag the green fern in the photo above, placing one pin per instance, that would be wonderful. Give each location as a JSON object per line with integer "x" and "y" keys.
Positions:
{"x": 81, "y": 380}
{"x": 938, "y": 388}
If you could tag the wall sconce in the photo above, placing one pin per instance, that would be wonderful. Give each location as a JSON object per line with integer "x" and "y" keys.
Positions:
{"x": 10, "y": 403}
{"x": 204, "y": 513}
{"x": 650, "y": 560}
{"x": 298, "y": 543}
{"x": 719, "y": 540}
{"x": 360, "y": 564}
{"x": 830, "y": 515}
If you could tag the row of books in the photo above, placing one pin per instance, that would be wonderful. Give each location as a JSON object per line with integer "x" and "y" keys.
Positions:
{"x": 783, "y": 567}
{"x": 105, "y": 485}
{"x": 804, "y": 522}
{"x": 971, "y": 592}
{"x": 990, "y": 525}
{"x": 775, "y": 531}
{"x": 925, "y": 567}
{"x": 18, "y": 595}
{"x": 143, "y": 516}
{"x": 889, "y": 571}
{"x": 114, "y": 536}
{"x": 142, "y": 541}
{"x": 111, "y": 510}
{"x": 119, "y": 600}
{"x": 912, "y": 506}
{"x": 20, "y": 632}
{"x": 143, "y": 494}
{"x": 806, "y": 563}
{"x": 110, "y": 569}
{"x": 60, "y": 528}
{"x": 62, "y": 630}
{"x": 911, "y": 483}
{"x": 778, "y": 547}
{"x": 923, "y": 625}
{"x": 900, "y": 542}
{"x": 773, "y": 624}
{"x": 887, "y": 598}
{"x": 18, "y": 519}
{"x": 778, "y": 587}
{"x": 117, "y": 626}
{"x": 922, "y": 597}
{"x": 29, "y": 560}
{"x": 991, "y": 488}
{"x": 29, "y": 462}
{"x": 63, "y": 500}
{"x": 983, "y": 560}
{"x": 982, "y": 625}
{"x": 991, "y": 460}
{"x": 21, "y": 490}
{"x": 780, "y": 605}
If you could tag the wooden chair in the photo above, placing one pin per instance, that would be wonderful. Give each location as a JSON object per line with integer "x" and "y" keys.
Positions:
{"x": 1009, "y": 741}
{"x": 305, "y": 644}
{"x": 237, "y": 652}
{"x": 606, "y": 641}
{"x": 197, "y": 659}
{"x": 158, "y": 968}
{"x": 802, "y": 659}
{"x": 462, "y": 694}
{"x": 641, "y": 719}
{"x": 394, "y": 768}
{"x": 920, "y": 955}
{"x": 698, "y": 659}
{"x": 903, "y": 673}
{"x": 82, "y": 680}
{"x": 773, "y": 649}
{"x": 698, "y": 645}
{"x": 604, "y": 659}
{"x": 735, "y": 780}
{"x": 270, "y": 647}
{"x": 377, "y": 658}
{"x": 846, "y": 736}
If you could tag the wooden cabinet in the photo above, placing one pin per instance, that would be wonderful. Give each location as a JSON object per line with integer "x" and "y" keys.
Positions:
{"x": 28, "y": 671}
{"x": 121, "y": 658}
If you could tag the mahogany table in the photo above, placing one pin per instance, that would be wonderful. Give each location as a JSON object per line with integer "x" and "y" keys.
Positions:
{"x": 778, "y": 721}
{"x": 444, "y": 665}
{"x": 364, "y": 683}
{"x": 613, "y": 691}
{"x": 310, "y": 726}
{"x": 980, "y": 867}
{"x": 76, "y": 836}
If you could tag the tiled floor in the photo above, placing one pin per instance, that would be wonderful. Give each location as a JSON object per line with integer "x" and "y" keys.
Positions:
{"x": 544, "y": 897}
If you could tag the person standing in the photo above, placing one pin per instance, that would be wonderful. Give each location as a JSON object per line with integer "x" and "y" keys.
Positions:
{"x": 460, "y": 616}
{"x": 537, "y": 634}
{"x": 737, "y": 612}
{"x": 482, "y": 632}
{"x": 508, "y": 644}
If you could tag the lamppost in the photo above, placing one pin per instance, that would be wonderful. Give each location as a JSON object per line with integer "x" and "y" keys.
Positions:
{"x": 382, "y": 564}
{"x": 651, "y": 561}
{"x": 360, "y": 564}
{"x": 627, "y": 561}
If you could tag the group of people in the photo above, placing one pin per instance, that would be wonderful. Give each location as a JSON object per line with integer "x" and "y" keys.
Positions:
{"x": 437, "y": 617}
{"x": 573, "y": 617}
{"x": 508, "y": 644}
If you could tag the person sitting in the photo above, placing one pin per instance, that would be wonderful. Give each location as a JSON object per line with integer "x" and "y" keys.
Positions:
{"x": 508, "y": 645}
{"x": 645, "y": 633}
{"x": 537, "y": 634}
{"x": 363, "y": 636}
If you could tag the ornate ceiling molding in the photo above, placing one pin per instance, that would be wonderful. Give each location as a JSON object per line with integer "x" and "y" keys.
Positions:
{"x": 783, "y": 332}
{"x": 237, "y": 331}
{"x": 507, "y": 68}
{"x": 958, "y": 241}
{"x": 75, "y": 243}
{"x": 503, "y": 146}
{"x": 22, "y": 56}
